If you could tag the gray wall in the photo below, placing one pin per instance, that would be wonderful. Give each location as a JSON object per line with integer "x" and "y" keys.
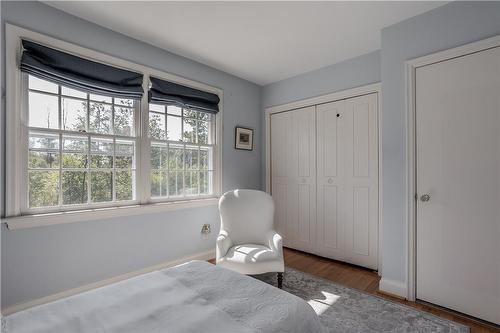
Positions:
{"x": 445, "y": 27}
{"x": 41, "y": 261}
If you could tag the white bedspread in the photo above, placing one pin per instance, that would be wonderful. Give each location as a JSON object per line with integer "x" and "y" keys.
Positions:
{"x": 193, "y": 297}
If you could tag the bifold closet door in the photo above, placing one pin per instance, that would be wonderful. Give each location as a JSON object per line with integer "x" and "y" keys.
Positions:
{"x": 360, "y": 207}
{"x": 293, "y": 165}
{"x": 347, "y": 180}
{"x": 330, "y": 180}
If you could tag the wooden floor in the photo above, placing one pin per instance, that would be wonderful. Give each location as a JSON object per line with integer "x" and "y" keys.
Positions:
{"x": 367, "y": 281}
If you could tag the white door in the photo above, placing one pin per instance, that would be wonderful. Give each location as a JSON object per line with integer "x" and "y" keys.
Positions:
{"x": 293, "y": 165}
{"x": 361, "y": 180}
{"x": 330, "y": 180}
{"x": 458, "y": 167}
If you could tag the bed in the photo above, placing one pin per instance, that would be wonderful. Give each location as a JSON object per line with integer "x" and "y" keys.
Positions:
{"x": 192, "y": 297}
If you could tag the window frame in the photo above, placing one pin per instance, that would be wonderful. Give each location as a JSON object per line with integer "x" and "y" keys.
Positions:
{"x": 24, "y": 145}
{"x": 17, "y": 131}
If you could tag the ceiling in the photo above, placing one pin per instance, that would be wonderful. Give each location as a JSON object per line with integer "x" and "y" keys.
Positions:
{"x": 262, "y": 42}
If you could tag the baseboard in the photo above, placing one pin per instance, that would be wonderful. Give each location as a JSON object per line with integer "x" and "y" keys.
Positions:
{"x": 393, "y": 288}
{"x": 70, "y": 292}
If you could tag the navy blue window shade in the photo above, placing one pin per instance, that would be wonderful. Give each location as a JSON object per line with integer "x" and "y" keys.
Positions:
{"x": 165, "y": 92}
{"x": 78, "y": 73}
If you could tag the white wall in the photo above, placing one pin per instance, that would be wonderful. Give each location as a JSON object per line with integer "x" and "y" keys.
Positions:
{"x": 41, "y": 261}
{"x": 445, "y": 27}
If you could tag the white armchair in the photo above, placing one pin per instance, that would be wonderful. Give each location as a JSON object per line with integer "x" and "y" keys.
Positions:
{"x": 247, "y": 242}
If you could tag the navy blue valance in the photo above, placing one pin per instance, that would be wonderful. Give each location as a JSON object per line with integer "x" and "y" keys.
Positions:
{"x": 165, "y": 92}
{"x": 78, "y": 73}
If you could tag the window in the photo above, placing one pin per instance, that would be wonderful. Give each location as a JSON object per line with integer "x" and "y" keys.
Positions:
{"x": 86, "y": 130}
{"x": 182, "y": 150}
{"x": 81, "y": 147}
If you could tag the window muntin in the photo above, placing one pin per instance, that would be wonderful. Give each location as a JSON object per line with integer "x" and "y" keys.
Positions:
{"x": 81, "y": 148}
{"x": 182, "y": 152}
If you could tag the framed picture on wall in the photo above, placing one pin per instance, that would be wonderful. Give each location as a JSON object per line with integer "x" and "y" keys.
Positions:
{"x": 243, "y": 138}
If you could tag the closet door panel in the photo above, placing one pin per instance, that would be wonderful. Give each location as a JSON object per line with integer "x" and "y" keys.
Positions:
{"x": 361, "y": 181}
{"x": 330, "y": 187}
{"x": 303, "y": 170}
{"x": 293, "y": 172}
{"x": 280, "y": 178}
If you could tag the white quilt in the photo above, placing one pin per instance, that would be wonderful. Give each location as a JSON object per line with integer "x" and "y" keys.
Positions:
{"x": 193, "y": 297}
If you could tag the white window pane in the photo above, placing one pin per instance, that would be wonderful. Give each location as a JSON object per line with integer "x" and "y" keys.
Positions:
{"x": 74, "y": 187}
{"x": 159, "y": 156}
{"x": 124, "y": 154}
{"x": 100, "y": 98}
{"x": 43, "y": 188}
{"x": 101, "y": 186}
{"x": 43, "y": 85}
{"x": 124, "y": 185}
{"x": 189, "y": 134}
{"x": 43, "y": 160}
{"x": 191, "y": 182}
{"x": 206, "y": 182}
{"x": 159, "y": 180}
{"x": 174, "y": 128}
{"x": 101, "y": 146}
{"x": 73, "y": 92}
{"x": 74, "y": 161}
{"x": 155, "y": 184}
{"x": 205, "y": 116}
{"x": 124, "y": 147}
{"x": 191, "y": 158}
{"x": 74, "y": 114}
{"x": 124, "y": 121}
{"x": 203, "y": 131}
{"x": 176, "y": 157}
{"x": 100, "y": 118}
{"x": 101, "y": 162}
{"x": 43, "y": 141}
{"x": 206, "y": 158}
{"x": 124, "y": 162}
{"x": 175, "y": 183}
{"x": 157, "y": 126}
{"x": 43, "y": 110}
{"x": 75, "y": 143}
{"x": 157, "y": 108}
{"x": 124, "y": 102}
{"x": 190, "y": 113}
{"x": 172, "y": 109}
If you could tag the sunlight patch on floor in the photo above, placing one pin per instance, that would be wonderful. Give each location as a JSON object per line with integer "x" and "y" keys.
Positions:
{"x": 321, "y": 305}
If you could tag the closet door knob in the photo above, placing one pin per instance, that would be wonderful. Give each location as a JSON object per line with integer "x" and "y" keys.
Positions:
{"x": 303, "y": 180}
{"x": 330, "y": 180}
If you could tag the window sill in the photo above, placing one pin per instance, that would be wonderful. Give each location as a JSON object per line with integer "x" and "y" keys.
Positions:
{"x": 38, "y": 220}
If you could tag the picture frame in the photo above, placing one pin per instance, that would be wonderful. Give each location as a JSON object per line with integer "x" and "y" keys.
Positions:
{"x": 243, "y": 138}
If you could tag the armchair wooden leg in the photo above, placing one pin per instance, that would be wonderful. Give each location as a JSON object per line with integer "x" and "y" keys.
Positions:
{"x": 280, "y": 280}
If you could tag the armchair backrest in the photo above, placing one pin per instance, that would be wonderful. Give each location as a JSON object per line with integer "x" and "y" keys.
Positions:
{"x": 247, "y": 216}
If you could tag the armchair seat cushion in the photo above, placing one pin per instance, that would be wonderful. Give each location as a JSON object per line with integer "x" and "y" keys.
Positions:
{"x": 252, "y": 259}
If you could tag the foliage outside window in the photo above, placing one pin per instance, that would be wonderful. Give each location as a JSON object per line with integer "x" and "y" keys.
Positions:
{"x": 81, "y": 147}
{"x": 182, "y": 147}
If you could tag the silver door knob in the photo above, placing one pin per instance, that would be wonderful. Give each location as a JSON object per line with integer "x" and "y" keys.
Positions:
{"x": 425, "y": 197}
{"x": 330, "y": 180}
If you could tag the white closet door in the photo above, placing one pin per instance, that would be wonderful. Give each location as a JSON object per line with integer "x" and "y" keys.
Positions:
{"x": 360, "y": 207}
{"x": 280, "y": 175}
{"x": 293, "y": 151}
{"x": 330, "y": 180}
{"x": 458, "y": 167}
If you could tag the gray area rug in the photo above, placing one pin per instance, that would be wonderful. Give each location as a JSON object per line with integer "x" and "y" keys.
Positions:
{"x": 343, "y": 309}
